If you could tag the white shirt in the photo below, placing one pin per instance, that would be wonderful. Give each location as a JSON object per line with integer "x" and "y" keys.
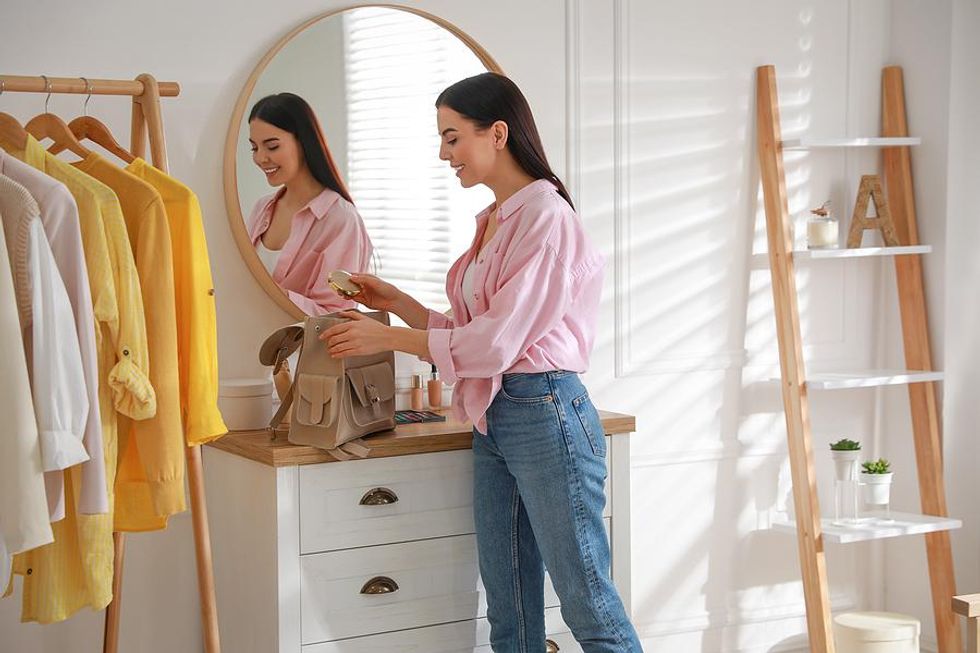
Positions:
{"x": 467, "y": 287}
{"x": 59, "y": 216}
{"x": 269, "y": 257}
{"x": 50, "y": 340}
{"x": 24, "y": 522}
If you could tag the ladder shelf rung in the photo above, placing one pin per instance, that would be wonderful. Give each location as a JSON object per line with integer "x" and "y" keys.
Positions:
{"x": 814, "y": 143}
{"x": 874, "y": 525}
{"x": 869, "y": 379}
{"x": 860, "y": 252}
{"x": 760, "y": 261}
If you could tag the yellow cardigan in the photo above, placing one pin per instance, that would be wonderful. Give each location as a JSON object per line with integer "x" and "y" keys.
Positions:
{"x": 197, "y": 346}
{"x": 150, "y": 479}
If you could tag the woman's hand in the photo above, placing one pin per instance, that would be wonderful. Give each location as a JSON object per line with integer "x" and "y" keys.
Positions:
{"x": 375, "y": 293}
{"x": 359, "y": 337}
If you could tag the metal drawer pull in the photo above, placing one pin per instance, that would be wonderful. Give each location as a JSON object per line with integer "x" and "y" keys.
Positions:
{"x": 551, "y": 647}
{"x": 379, "y": 496}
{"x": 380, "y": 585}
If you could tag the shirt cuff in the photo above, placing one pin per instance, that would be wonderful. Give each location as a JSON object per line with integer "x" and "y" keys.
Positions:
{"x": 204, "y": 428}
{"x": 438, "y": 320}
{"x": 61, "y": 450}
{"x": 132, "y": 393}
{"x": 167, "y": 496}
{"x": 441, "y": 355}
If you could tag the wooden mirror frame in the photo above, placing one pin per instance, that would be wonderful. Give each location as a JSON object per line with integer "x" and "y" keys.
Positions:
{"x": 236, "y": 217}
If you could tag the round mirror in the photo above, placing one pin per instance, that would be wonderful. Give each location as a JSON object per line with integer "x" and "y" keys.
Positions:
{"x": 371, "y": 76}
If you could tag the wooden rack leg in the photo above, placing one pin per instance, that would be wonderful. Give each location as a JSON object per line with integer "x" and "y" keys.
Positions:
{"x": 146, "y": 114}
{"x": 110, "y": 641}
{"x": 205, "y": 568}
{"x": 137, "y": 133}
{"x": 150, "y": 102}
{"x": 202, "y": 549}
{"x": 808, "y": 528}
{"x": 915, "y": 333}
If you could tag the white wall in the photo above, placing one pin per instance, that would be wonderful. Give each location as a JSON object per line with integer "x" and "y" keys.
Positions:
{"x": 961, "y": 409}
{"x": 649, "y": 110}
{"x": 942, "y": 104}
{"x": 921, "y": 44}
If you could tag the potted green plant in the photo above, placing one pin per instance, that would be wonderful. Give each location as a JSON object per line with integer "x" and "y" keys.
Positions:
{"x": 877, "y": 481}
{"x": 845, "y": 454}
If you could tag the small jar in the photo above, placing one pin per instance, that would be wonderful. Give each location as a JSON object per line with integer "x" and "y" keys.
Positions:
{"x": 417, "y": 392}
{"x": 822, "y": 229}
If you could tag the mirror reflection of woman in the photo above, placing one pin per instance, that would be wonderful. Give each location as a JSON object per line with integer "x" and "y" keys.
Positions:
{"x": 309, "y": 226}
{"x": 525, "y": 298}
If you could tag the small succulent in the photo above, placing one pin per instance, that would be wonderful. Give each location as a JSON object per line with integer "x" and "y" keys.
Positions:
{"x": 880, "y": 466}
{"x": 845, "y": 445}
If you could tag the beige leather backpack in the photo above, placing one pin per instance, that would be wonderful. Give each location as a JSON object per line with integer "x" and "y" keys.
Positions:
{"x": 335, "y": 401}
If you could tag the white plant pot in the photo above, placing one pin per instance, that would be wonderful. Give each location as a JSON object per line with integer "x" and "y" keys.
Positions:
{"x": 877, "y": 487}
{"x": 845, "y": 464}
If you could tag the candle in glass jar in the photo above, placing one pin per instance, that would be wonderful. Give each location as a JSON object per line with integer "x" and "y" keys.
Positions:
{"x": 821, "y": 233}
{"x": 821, "y": 228}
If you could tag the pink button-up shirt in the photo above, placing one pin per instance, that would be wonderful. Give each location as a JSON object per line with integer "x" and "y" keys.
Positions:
{"x": 536, "y": 289}
{"x": 325, "y": 235}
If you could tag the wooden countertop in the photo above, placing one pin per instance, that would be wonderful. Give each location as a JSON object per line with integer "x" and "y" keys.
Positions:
{"x": 405, "y": 440}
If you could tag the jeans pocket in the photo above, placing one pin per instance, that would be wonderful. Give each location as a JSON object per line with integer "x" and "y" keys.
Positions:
{"x": 591, "y": 423}
{"x": 526, "y": 388}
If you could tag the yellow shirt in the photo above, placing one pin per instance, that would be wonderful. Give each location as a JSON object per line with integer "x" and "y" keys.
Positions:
{"x": 76, "y": 570}
{"x": 150, "y": 479}
{"x": 197, "y": 346}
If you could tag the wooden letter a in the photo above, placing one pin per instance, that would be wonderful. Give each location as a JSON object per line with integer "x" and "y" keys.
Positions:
{"x": 870, "y": 189}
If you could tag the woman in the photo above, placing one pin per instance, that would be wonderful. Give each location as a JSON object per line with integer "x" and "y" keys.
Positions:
{"x": 524, "y": 299}
{"x": 309, "y": 227}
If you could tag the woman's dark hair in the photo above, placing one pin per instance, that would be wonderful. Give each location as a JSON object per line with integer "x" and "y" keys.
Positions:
{"x": 291, "y": 113}
{"x": 489, "y": 97}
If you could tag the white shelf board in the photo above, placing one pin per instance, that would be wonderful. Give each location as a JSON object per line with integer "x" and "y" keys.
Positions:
{"x": 874, "y": 526}
{"x": 760, "y": 261}
{"x": 860, "y": 252}
{"x": 811, "y": 143}
{"x": 868, "y": 379}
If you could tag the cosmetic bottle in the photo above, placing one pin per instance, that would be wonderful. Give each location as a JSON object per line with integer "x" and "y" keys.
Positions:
{"x": 417, "y": 391}
{"x": 435, "y": 389}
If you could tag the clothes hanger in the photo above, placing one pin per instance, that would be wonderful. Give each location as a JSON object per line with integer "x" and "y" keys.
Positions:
{"x": 48, "y": 125}
{"x": 11, "y": 131}
{"x": 86, "y": 127}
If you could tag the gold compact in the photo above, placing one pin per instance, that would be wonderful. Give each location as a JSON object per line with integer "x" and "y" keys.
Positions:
{"x": 340, "y": 281}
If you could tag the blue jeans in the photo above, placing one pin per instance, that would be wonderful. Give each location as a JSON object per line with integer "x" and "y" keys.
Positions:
{"x": 538, "y": 498}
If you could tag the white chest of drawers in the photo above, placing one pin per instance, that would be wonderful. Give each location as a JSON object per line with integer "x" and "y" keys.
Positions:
{"x": 366, "y": 556}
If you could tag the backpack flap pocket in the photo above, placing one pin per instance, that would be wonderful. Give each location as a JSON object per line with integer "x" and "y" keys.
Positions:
{"x": 317, "y": 399}
{"x": 373, "y": 387}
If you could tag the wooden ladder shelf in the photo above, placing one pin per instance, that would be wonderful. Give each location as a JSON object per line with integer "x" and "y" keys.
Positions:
{"x": 915, "y": 330}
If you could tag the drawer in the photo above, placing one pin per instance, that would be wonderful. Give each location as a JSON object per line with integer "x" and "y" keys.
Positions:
{"x": 429, "y": 582}
{"x": 437, "y": 581}
{"x": 461, "y": 637}
{"x": 387, "y": 500}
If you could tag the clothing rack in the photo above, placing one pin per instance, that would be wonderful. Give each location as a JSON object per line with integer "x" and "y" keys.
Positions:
{"x": 147, "y": 120}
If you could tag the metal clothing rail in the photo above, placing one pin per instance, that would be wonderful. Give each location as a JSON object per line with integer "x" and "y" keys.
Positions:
{"x": 147, "y": 120}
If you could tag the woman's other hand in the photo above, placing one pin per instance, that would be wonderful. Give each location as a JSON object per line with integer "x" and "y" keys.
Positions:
{"x": 361, "y": 336}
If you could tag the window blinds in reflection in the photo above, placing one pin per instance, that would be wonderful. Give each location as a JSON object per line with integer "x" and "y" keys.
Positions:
{"x": 420, "y": 220}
